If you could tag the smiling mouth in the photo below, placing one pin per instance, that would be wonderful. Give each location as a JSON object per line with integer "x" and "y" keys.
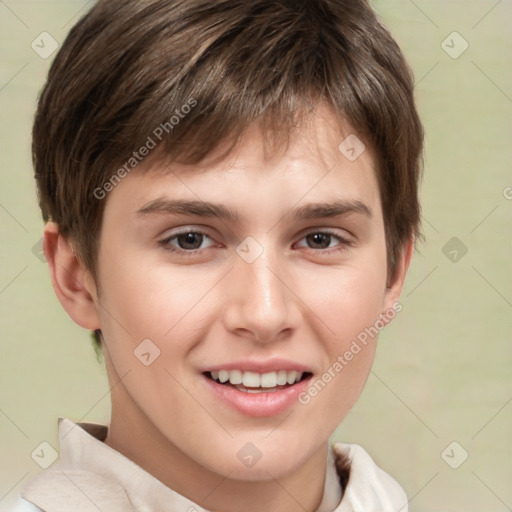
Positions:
{"x": 252, "y": 382}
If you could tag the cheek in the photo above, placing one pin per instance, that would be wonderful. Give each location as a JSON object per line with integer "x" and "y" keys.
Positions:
{"x": 346, "y": 304}
{"x": 148, "y": 318}
{"x": 150, "y": 298}
{"x": 143, "y": 301}
{"x": 346, "y": 299}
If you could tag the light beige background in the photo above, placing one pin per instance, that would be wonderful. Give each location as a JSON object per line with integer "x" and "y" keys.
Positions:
{"x": 443, "y": 368}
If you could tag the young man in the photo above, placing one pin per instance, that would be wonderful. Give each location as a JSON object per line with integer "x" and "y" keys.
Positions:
{"x": 230, "y": 192}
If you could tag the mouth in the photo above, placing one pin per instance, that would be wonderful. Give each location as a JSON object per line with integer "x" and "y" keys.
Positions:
{"x": 257, "y": 388}
{"x": 254, "y": 382}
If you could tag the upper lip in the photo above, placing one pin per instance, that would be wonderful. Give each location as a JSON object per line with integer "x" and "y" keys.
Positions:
{"x": 267, "y": 366}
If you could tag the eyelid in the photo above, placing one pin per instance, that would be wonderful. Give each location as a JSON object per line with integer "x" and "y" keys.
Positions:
{"x": 187, "y": 229}
{"x": 341, "y": 234}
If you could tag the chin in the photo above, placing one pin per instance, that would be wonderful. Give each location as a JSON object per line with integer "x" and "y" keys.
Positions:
{"x": 261, "y": 471}
{"x": 250, "y": 463}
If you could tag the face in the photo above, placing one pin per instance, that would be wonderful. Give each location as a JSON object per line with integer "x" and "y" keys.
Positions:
{"x": 263, "y": 271}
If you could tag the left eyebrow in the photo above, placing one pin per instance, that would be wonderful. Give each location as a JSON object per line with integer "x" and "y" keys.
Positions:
{"x": 331, "y": 209}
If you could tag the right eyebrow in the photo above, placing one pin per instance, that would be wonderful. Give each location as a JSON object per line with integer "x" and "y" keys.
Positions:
{"x": 164, "y": 206}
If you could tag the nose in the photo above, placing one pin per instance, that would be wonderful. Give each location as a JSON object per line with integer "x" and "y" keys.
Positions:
{"x": 260, "y": 303}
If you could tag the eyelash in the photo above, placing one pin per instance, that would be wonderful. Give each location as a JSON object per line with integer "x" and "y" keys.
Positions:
{"x": 343, "y": 245}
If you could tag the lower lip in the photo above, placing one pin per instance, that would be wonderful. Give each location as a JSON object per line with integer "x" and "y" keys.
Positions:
{"x": 258, "y": 404}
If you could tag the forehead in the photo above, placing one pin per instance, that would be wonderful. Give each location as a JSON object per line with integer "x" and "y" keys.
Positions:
{"x": 319, "y": 136}
{"x": 324, "y": 159}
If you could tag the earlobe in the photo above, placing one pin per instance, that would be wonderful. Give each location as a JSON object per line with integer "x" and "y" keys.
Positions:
{"x": 394, "y": 288}
{"x": 71, "y": 281}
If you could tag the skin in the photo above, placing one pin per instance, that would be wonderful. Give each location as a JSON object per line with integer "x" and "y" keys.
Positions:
{"x": 305, "y": 298}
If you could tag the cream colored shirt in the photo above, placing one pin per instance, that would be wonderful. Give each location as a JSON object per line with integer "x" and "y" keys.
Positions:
{"x": 91, "y": 476}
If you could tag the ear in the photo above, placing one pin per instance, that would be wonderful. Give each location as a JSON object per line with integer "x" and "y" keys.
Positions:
{"x": 72, "y": 283}
{"x": 394, "y": 288}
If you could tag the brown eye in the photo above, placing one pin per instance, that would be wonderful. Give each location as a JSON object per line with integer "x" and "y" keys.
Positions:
{"x": 325, "y": 242}
{"x": 319, "y": 240}
{"x": 189, "y": 241}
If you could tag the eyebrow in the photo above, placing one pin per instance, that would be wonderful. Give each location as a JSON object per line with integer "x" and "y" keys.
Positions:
{"x": 164, "y": 206}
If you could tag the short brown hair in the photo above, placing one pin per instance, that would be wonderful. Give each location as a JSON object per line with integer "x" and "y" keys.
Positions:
{"x": 128, "y": 67}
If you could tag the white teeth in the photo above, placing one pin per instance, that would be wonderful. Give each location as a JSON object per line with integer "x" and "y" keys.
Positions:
{"x": 269, "y": 380}
{"x": 251, "y": 380}
{"x": 257, "y": 380}
{"x": 291, "y": 377}
{"x": 281, "y": 377}
{"x": 235, "y": 377}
